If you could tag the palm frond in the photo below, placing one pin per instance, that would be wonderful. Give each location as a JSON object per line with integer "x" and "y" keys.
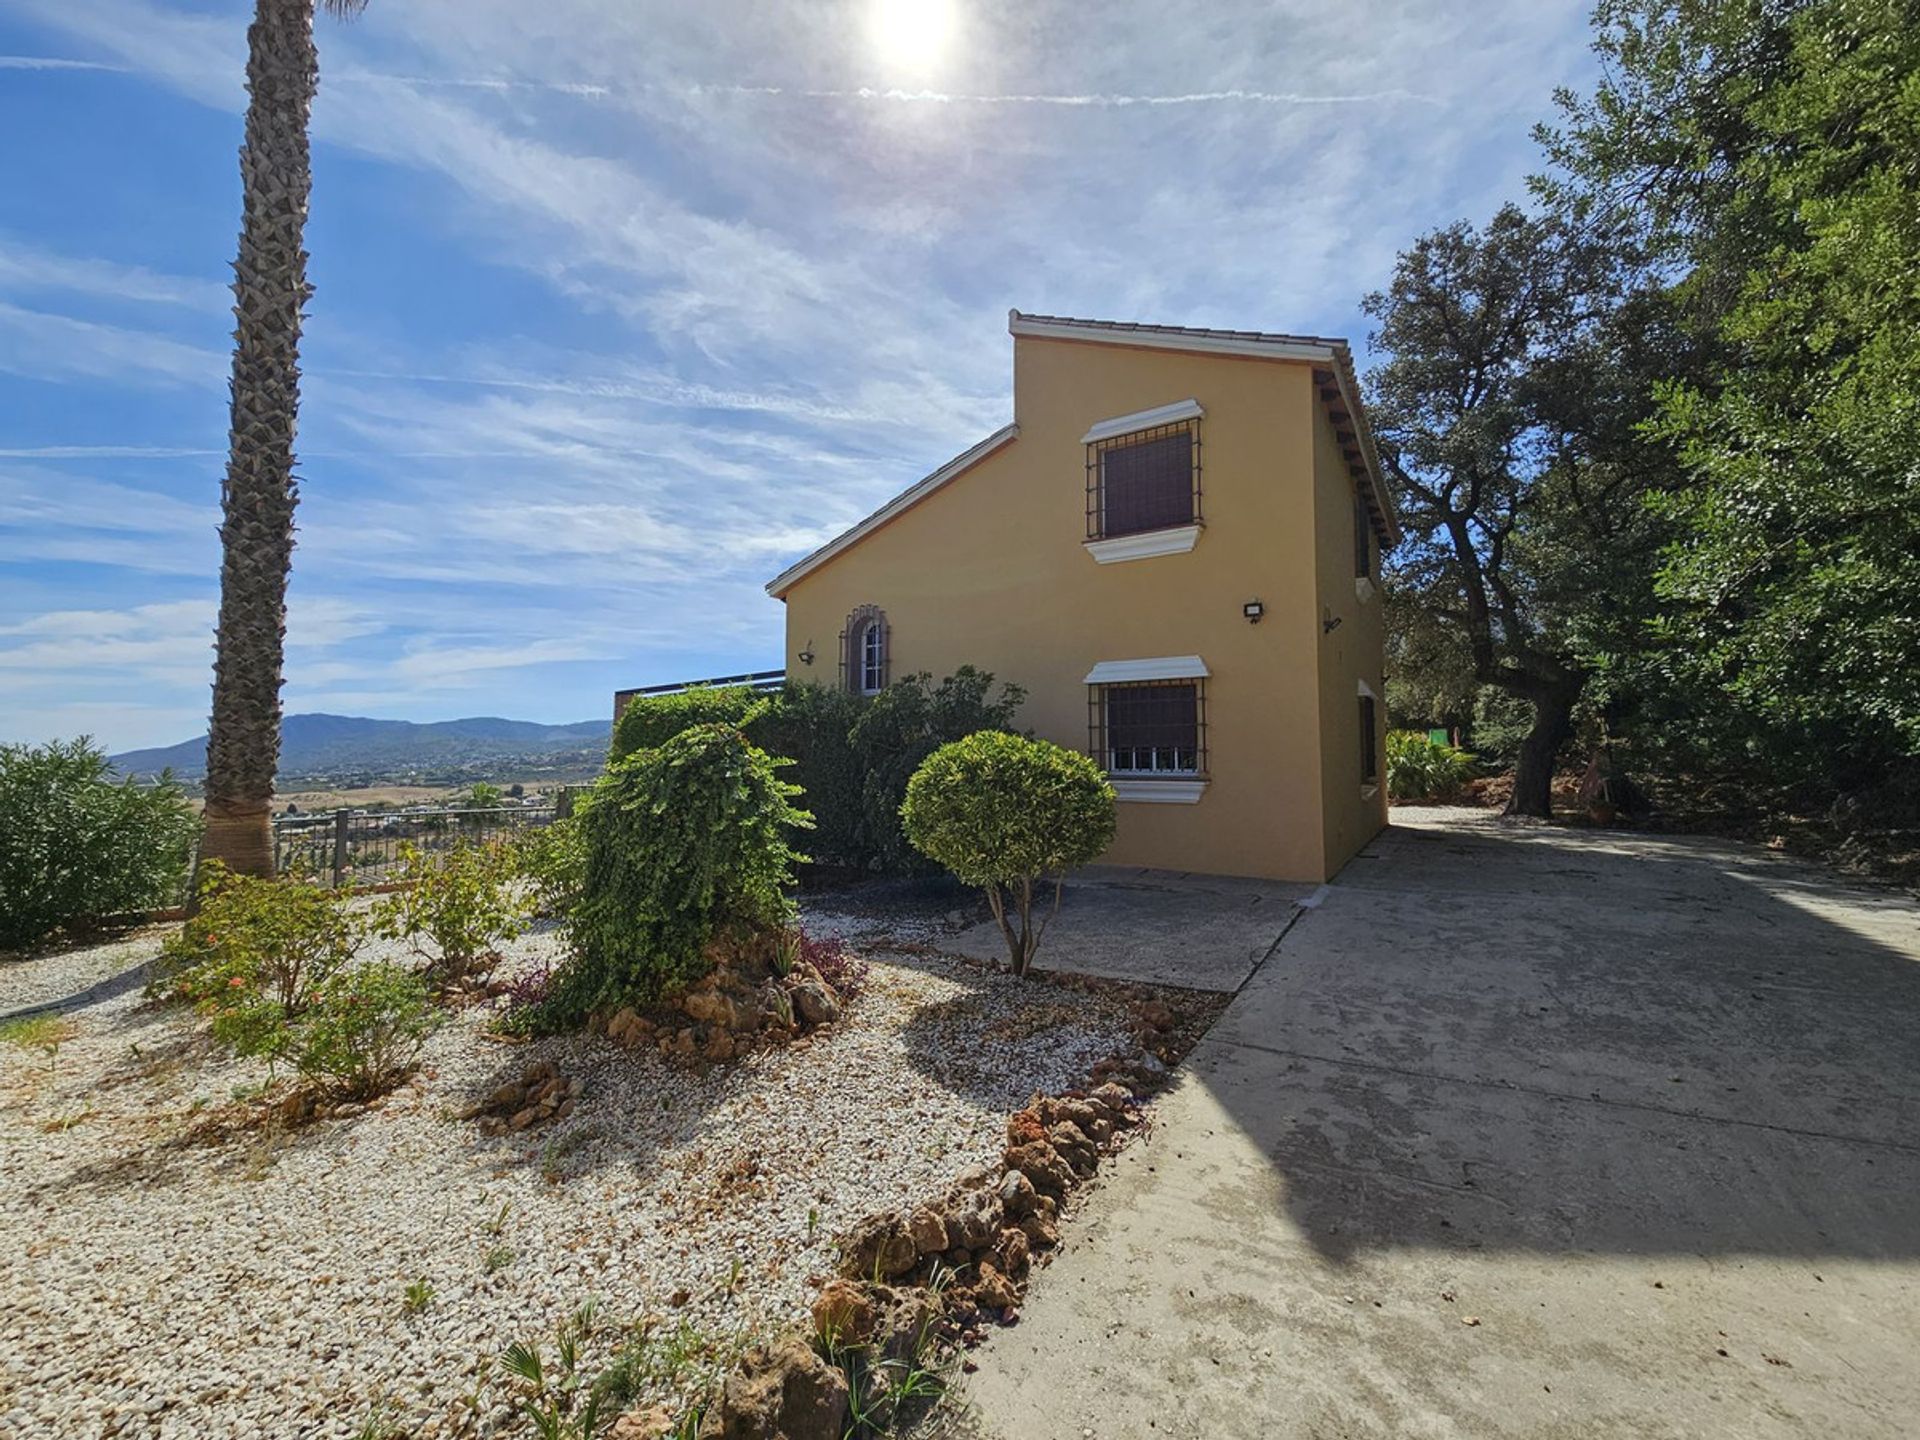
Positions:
{"x": 343, "y": 9}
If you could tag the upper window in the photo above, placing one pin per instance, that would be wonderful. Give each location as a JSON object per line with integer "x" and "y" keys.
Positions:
{"x": 1146, "y": 480}
{"x": 864, "y": 651}
{"x": 1362, "y": 538}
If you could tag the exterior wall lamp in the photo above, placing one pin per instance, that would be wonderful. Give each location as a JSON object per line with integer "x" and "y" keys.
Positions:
{"x": 806, "y": 655}
{"x": 1253, "y": 610}
{"x": 1329, "y": 622}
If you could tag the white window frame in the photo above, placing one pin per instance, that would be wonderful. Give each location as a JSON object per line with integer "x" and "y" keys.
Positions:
{"x": 1165, "y": 787}
{"x": 873, "y": 657}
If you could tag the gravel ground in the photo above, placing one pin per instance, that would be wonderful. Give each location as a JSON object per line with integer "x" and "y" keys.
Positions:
{"x": 44, "y": 978}
{"x": 155, "y": 1286}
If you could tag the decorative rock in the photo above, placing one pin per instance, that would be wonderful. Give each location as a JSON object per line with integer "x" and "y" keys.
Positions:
{"x": 844, "y": 1314}
{"x": 1042, "y": 1165}
{"x": 879, "y": 1247}
{"x": 782, "y": 1391}
{"x": 993, "y": 1289}
{"x": 1041, "y": 1229}
{"x": 928, "y": 1230}
{"x": 655, "y": 1422}
{"x": 1026, "y": 1126}
{"x": 814, "y": 1003}
{"x": 974, "y": 1219}
{"x": 1017, "y": 1195}
{"x": 1072, "y": 1145}
{"x": 1012, "y": 1254}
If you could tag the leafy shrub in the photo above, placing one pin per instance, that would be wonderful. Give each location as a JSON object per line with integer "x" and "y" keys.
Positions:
{"x": 651, "y": 720}
{"x": 363, "y": 1028}
{"x": 1002, "y": 811}
{"x": 1419, "y": 768}
{"x": 462, "y": 903}
{"x": 812, "y": 725}
{"x": 853, "y": 755}
{"x": 76, "y": 846}
{"x": 552, "y": 863}
{"x": 253, "y": 953}
{"x": 682, "y": 840}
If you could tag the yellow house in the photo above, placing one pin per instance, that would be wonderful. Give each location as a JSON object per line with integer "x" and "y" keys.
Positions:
{"x": 1174, "y": 549}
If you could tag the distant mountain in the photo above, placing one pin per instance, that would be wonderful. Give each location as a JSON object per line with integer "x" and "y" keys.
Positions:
{"x": 351, "y": 744}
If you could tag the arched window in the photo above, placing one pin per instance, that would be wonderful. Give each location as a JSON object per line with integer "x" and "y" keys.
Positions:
{"x": 863, "y": 651}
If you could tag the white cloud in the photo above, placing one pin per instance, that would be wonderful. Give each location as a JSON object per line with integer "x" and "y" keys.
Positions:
{"x": 25, "y": 267}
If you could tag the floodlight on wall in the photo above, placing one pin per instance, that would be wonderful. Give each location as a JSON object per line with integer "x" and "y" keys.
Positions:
{"x": 1253, "y": 610}
{"x": 1329, "y": 622}
{"x": 806, "y": 655}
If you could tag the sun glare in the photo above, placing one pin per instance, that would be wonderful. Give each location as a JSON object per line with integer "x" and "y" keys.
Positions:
{"x": 911, "y": 34}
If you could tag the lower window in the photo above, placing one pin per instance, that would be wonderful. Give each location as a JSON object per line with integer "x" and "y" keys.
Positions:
{"x": 1151, "y": 728}
{"x": 1369, "y": 743}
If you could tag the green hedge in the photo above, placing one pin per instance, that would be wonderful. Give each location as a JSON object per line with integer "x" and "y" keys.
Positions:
{"x": 853, "y": 755}
{"x": 77, "y": 845}
{"x": 651, "y": 720}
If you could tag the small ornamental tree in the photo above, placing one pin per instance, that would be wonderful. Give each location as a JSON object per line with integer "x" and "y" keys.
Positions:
{"x": 456, "y": 906}
{"x": 683, "y": 840}
{"x": 1002, "y": 811}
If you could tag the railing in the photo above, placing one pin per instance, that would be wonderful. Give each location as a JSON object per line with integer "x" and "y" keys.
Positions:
{"x": 362, "y": 847}
{"x": 754, "y": 680}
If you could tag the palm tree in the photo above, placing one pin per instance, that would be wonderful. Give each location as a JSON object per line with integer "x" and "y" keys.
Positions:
{"x": 270, "y": 293}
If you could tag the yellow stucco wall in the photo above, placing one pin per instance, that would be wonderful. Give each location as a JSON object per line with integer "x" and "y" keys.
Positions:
{"x": 990, "y": 570}
{"x": 1353, "y": 652}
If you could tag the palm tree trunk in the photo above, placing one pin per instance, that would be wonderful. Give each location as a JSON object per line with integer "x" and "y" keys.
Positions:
{"x": 257, "y": 499}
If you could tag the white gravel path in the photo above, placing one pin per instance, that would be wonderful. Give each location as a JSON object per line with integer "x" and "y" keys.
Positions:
{"x": 255, "y": 1288}
{"x": 46, "y": 978}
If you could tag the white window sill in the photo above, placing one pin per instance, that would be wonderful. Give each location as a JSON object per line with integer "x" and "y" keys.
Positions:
{"x": 1363, "y": 588}
{"x": 1144, "y": 545}
{"x": 1158, "y": 792}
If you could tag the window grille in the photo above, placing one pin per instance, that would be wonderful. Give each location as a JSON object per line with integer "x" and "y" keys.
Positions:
{"x": 865, "y": 651}
{"x": 1154, "y": 727}
{"x": 1149, "y": 480}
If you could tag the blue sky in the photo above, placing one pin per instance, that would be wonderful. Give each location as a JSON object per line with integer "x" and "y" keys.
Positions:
{"x": 622, "y": 307}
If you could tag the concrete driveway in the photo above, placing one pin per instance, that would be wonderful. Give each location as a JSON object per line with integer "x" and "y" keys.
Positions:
{"x": 1523, "y": 1132}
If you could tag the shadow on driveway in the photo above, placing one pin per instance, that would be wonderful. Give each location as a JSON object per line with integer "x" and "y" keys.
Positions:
{"x": 1526, "y": 1132}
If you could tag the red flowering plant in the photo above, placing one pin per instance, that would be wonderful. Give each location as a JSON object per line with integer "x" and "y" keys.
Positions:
{"x": 255, "y": 954}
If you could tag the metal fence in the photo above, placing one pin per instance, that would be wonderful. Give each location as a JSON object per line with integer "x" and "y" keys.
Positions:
{"x": 362, "y": 847}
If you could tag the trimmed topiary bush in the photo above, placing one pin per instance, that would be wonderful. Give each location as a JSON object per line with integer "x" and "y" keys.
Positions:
{"x": 683, "y": 840}
{"x": 78, "y": 846}
{"x": 1002, "y": 811}
{"x": 651, "y": 720}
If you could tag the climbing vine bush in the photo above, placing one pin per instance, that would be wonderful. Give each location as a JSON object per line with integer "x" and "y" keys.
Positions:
{"x": 1002, "y": 812}
{"x": 683, "y": 840}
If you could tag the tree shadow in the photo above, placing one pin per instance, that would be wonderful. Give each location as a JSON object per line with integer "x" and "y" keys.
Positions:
{"x": 1525, "y": 1038}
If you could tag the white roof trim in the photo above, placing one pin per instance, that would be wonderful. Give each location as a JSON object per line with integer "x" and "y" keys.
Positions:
{"x": 788, "y": 578}
{"x": 1144, "y": 420}
{"x": 1164, "y": 667}
{"x": 1170, "y": 338}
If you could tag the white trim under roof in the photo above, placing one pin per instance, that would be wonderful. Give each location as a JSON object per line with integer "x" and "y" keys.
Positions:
{"x": 788, "y": 578}
{"x": 1164, "y": 667}
{"x": 1143, "y": 420}
{"x": 1171, "y": 337}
